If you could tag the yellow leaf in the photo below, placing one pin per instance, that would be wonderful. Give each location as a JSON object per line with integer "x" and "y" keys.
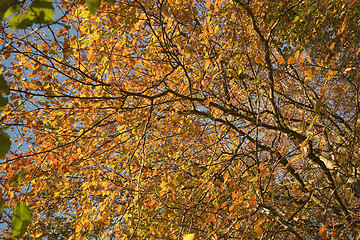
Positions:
{"x": 207, "y": 62}
{"x": 297, "y": 54}
{"x": 291, "y": 60}
{"x": 313, "y": 121}
{"x": 163, "y": 185}
{"x": 189, "y": 237}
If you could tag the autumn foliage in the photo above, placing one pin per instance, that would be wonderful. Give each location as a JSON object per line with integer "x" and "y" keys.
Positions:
{"x": 218, "y": 119}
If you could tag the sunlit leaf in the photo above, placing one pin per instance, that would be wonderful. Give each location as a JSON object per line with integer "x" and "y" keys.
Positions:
{"x": 21, "y": 219}
{"x": 189, "y": 236}
{"x": 20, "y": 21}
{"x": 8, "y": 7}
{"x": 291, "y": 60}
{"x": 41, "y": 11}
{"x": 18, "y": 177}
{"x": 11, "y": 10}
{"x": 281, "y": 59}
{"x": 93, "y": 5}
{"x": 153, "y": 119}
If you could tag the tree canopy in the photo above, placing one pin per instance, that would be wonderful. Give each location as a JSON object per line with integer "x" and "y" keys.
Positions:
{"x": 214, "y": 119}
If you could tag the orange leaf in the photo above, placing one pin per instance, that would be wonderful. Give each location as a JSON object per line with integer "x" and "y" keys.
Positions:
{"x": 258, "y": 230}
{"x": 281, "y": 59}
{"x": 252, "y": 201}
{"x": 291, "y": 60}
{"x": 259, "y": 60}
{"x": 208, "y": 3}
{"x": 10, "y": 35}
{"x": 323, "y": 232}
{"x": 332, "y": 46}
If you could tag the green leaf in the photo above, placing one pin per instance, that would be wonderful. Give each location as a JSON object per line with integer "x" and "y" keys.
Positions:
{"x": 5, "y": 144}
{"x": 20, "y": 21}
{"x": 18, "y": 177}
{"x": 93, "y": 5}
{"x": 11, "y": 10}
{"x": 6, "y": 6}
{"x": 3, "y": 102}
{"x": 2, "y": 204}
{"x": 20, "y": 219}
{"x": 41, "y": 11}
{"x": 3, "y": 85}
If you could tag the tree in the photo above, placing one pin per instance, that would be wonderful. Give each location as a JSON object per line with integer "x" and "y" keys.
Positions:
{"x": 155, "y": 119}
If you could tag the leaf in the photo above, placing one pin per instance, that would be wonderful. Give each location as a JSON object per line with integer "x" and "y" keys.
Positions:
{"x": 7, "y": 6}
{"x": 313, "y": 122}
{"x": 208, "y": 4}
{"x": 3, "y": 85}
{"x": 11, "y": 10}
{"x": 20, "y": 21}
{"x": 2, "y": 204}
{"x": 3, "y": 102}
{"x": 259, "y": 60}
{"x": 41, "y": 11}
{"x": 323, "y": 232}
{"x": 291, "y": 60}
{"x": 281, "y": 59}
{"x": 18, "y": 177}
{"x": 207, "y": 63}
{"x": 232, "y": 207}
{"x": 252, "y": 201}
{"x": 189, "y": 236}
{"x": 21, "y": 219}
{"x": 332, "y": 46}
{"x": 93, "y": 5}
{"x": 122, "y": 102}
{"x": 297, "y": 54}
{"x": 258, "y": 230}
{"x": 5, "y": 143}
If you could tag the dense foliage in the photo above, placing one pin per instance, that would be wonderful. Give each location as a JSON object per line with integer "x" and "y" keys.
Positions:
{"x": 155, "y": 119}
